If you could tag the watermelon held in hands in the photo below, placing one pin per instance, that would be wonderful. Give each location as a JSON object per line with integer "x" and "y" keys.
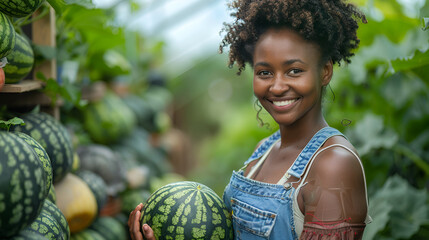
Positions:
{"x": 22, "y": 184}
{"x": 19, "y": 8}
{"x": 20, "y": 60}
{"x": 187, "y": 210}
{"x": 7, "y": 36}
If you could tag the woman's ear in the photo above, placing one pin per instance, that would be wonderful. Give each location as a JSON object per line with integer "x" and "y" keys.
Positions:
{"x": 327, "y": 71}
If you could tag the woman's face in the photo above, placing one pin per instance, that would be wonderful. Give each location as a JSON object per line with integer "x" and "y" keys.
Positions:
{"x": 288, "y": 76}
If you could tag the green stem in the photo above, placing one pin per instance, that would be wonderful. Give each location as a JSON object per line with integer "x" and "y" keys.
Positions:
{"x": 406, "y": 151}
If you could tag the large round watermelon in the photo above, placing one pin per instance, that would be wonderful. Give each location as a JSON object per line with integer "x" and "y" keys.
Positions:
{"x": 87, "y": 234}
{"x": 101, "y": 160}
{"x": 53, "y": 137}
{"x": 110, "y": 228}
{"x": 20, "y": 60}
{"x": 187, "y": 210}
{"x": 43, "y": 157}
{"x": 22, "y": 184}
{"x": 7, "y": 36}
{"x": 19, "y": 8}
{"x": 109, "y": 119}
{"x": 47, "y": 225}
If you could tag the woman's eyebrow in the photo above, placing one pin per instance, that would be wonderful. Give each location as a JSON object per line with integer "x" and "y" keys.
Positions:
{"x": 263, "y": 64}
{"x": 292, "y": 61}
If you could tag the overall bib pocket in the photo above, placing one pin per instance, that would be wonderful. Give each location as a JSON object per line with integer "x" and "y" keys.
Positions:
{"x": 251, "y": 222}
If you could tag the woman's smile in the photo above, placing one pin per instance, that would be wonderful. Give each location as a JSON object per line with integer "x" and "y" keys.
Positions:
{"x": 283, "y": 104}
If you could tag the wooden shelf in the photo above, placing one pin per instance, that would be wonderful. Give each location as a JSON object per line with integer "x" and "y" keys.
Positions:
{"x": 26, "y": 94}
{"x": 23, "y": 86}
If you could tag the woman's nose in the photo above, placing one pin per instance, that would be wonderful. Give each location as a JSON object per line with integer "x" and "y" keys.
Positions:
{"x": 279, "y": 85}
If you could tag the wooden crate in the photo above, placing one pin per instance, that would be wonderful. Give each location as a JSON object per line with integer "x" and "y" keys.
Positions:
{"x": 26, "y": 94}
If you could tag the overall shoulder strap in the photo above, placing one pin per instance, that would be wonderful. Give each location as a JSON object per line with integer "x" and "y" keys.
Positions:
{"x": 264, "y": 147}
{"x": 310, "y": 149}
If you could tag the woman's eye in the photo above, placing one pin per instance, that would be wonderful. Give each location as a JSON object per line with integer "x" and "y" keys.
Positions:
{"x": 264, "y": 73}
{"x": 295, "y": 71}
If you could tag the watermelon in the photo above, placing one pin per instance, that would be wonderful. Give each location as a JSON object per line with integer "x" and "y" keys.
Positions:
{"x": 47, "y": 225}
{"x": 27, "y": 235}
{"x": 52, "y": 196}
{"x": 109, "y": 228}
{"x": 138, "y": 144}
{"x": 19, "y": 8}
{"x": 187, "y": 210}
{"x": 20, "y": 60}
{"x": 53, "y": 137}
{"x": 22, "y": 184}
{"x": 87, "y": 234}
{"x": 56, "y": 214}
{"x": 108, "y": 120}
{"x": 96, "y": 184}
{"x": 7, "y": 36}
{"x": 43, "y": 157}
{"x": 101, "y": 160}
{"x": 133, "y": 197}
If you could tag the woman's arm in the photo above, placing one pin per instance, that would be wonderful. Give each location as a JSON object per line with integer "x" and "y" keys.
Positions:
{"x": 134, "y": 225}
{"x": 334, "y": 197}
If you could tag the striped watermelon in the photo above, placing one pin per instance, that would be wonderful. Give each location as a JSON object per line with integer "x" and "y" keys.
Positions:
{"x": 96, "y": 184}
{"x": 109, "y": 228}
{"x": 187, "y": 210}
{"x": 43, "y": 157}
{"x": 56, "y": 213}
{"x": 87, "y": 234}
{"x": 27, "y": 235}
{"x": 53, "y": 137}
{"x": 19, "y": 8}
{"x": 108, "y": 120}
{"x": 46, "y": 223}
{"x": 7, "y": 36}
{"x": 22, "y": 184}
{"x": 52, "y": 196}
{"x": 20, "y": 60}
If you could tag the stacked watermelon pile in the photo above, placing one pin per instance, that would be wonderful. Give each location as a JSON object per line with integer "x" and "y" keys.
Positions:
{"x": 16, "y": 52}
{"x": 33, "y": 157}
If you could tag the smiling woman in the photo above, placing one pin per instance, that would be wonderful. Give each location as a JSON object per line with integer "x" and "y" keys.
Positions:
{"x": 306, "y": 180}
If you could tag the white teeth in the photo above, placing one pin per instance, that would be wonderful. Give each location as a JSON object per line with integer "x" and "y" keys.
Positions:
{"x": 283, "y": 103}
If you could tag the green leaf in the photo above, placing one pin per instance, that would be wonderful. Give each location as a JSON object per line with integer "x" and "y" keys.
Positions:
{"x": 47, "y": 52}
{"x": 416, "y": 60}
{"x": 379, "y": 211}
{"x": 425, "y": 23}
{"x": 404, "y": 206}
{"x": 370, "y": 133}
{"x": 11, "y": 122}
{"x": 84, "y": 3}
{"x": 58, "y": 5}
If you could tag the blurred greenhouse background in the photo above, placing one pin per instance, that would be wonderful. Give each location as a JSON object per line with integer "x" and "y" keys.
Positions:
{"x": 144, "y": 79}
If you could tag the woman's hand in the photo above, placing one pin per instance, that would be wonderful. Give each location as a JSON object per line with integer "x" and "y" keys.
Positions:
{"x": 134, "y": 225}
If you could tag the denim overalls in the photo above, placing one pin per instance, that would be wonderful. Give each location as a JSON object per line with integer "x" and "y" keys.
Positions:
{"x": 263, "y": 210}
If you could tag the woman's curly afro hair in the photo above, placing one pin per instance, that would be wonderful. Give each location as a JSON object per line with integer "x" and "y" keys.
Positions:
{"x": 332, "y": 24}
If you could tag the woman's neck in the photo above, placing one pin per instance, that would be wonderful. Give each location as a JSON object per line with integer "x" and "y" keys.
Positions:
{"x": 299, "y": 133}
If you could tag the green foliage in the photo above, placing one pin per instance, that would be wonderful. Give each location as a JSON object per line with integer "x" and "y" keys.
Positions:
{"x": 7, "y": 124}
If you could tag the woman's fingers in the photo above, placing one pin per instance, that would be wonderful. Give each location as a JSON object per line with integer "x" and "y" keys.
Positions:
{"x": 148, "y": 232}
{"x": 134, "y": 223}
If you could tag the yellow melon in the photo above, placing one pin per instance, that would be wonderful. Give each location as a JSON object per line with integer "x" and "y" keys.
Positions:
{"x": 76, "y": 201}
